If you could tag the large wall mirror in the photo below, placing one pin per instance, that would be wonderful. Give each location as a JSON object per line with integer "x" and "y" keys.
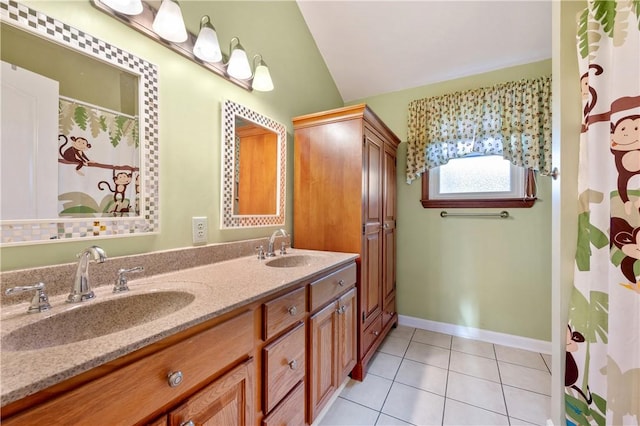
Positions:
{"x": 253, "y": 168}
{"x": 79, "y": 142}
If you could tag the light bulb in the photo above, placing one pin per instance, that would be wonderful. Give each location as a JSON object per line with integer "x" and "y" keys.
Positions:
{"x": 262, "y": 79}
{"x": 239, "y": 63}
{"x": 207, "y": 47}
{"x": 127, "y": 7}
{"x": 169, "y": 24}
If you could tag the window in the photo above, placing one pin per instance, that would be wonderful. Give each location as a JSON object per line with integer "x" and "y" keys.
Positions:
{"x": 478, "y": 181}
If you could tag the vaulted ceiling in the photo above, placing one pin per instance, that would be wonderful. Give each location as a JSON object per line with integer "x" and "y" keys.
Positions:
{"x": 376, "y": 47}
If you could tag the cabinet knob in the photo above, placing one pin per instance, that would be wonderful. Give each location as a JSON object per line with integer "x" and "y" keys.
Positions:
{"x": 376, "y": 332}
{"x": 341, "y": 310}
{"x": 341, "y": 283}
{"x": 175, "y": 378}
{"x": 293, "y": 364}
{"x": 188, "y": 423}
{"x": 292, "y": 310}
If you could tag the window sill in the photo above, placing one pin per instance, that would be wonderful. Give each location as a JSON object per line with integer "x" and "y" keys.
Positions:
{"x": 479, "y": 203}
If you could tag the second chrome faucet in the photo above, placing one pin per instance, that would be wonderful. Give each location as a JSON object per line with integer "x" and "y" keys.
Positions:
{"x": 272, "y": 239}
{"x": 81, "y": 289}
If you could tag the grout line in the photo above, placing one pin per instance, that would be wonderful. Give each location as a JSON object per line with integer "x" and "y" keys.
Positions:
{"x": 446, "y": 385}
{"x": 504, "y": 397}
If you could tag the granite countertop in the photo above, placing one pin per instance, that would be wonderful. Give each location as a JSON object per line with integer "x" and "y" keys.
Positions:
{"x": 214, "y": 289}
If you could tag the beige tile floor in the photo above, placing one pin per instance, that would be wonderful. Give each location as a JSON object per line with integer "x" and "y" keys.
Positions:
{"x": 418, "y": 377}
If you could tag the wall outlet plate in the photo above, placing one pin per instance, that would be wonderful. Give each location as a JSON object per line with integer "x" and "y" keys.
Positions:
{"x": 199, "y": 230}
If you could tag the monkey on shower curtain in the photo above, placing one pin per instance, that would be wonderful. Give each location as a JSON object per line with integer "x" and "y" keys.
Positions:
{"x": 603, "y": 335}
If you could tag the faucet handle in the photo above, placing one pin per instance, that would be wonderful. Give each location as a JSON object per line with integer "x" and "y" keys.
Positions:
{"x": 39, "y": 302}
{"x": 283, "y": 248}
{"x": 121, "y": 282}
{"x": 260, "y": 250}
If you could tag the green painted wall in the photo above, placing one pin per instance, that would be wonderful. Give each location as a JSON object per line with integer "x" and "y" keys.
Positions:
{"x": 190, "y": 99}
{"x": 491, "y": 274}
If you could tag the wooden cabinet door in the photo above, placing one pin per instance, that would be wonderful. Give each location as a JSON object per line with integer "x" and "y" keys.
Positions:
{"x": 389, "y": 229}
{"x": 322, "y": 375}
{"x": 347, "y": 334}
{"x": 327, "y": 186}
{"x": 370, "y": 293}
{"x": 226, "y": 401}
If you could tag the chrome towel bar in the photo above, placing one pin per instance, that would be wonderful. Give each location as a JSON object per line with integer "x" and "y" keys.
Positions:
{"x": 503, "y": 214}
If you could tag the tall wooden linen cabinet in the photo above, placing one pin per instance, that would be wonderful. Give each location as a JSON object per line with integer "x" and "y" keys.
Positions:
{"x": 344, "y": 198}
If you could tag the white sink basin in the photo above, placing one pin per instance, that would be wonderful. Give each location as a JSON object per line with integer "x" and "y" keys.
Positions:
{"x": 290, "y": 261}
{"x": 95, "y": 319}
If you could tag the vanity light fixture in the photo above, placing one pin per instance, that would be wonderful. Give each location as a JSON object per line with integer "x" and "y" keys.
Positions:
{"x": 238, "y": 66}
{"x": 207, "y": 47}
{"x": 169, "y": 23}
{"x": 127, "y": 7}
{"x": 166, "y": 26}
{"x": 262, "y": 77}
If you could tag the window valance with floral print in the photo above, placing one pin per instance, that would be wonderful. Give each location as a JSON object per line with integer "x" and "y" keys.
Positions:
{"x": 512, "y": 119}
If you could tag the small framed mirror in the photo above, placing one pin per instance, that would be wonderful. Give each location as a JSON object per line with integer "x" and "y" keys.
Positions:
{"x": 254, "y": 154}
{"x": 79, "y": 134}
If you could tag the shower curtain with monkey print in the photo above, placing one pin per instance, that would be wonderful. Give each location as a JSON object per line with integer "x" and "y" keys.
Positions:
{"x": 602, "y": 379}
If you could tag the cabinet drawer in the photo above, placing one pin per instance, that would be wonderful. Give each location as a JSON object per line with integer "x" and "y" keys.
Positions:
{"x": 284, "y": 366}
{"x": 290, "y": 412}
{"x": 371, "y": 334}
{"x": 142, "y": 387}
{"x": 283, "y": 312}
{"x": 327, "y": 288}
{"x": 389, "y": 311}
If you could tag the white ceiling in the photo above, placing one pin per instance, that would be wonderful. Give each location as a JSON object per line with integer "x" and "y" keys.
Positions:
{"x": 375, "y": 47}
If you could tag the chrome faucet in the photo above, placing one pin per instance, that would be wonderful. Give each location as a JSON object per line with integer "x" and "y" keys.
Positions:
{"x": 81, "y": 290}
{"x": 272, "y": 239}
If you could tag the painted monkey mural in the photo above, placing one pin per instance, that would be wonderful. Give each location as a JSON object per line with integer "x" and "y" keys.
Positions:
{"x": 589, "y": 94}
{"x": 627, "y": 239}
{"x": 625, "y": 147}
{"x": 120, "y": 182}
{"x": 571, "y": 370}
{"x": 76, "y": 152}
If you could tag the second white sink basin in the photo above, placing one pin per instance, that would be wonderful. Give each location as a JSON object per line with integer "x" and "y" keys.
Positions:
{"x": 290, "y": 261}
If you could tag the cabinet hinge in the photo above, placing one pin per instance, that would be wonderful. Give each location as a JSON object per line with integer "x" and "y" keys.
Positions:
{"x": 363, "y": 317}
{"x": 363, "y": 229}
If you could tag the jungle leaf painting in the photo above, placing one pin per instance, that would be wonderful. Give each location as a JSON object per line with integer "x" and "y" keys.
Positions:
{"x": 588, "y": 235}
{"x": 81, "y": 117}
{"x": 590, "y": 317}
{"x": 583, "y": 414}
{"x": 588, "y": 35}
{"x": 118, "y": 126}
{"x": 605, "y": 13}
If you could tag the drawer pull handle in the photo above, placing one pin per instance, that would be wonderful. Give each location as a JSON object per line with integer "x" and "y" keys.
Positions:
{"x": 188, "y": 423}
{"x": 175, "y": 378}
{"x": 376, "y": 333}
{"x": 341, "y": 283}
{"x": 293, "y": 364}
{"x": 292, "y": 310}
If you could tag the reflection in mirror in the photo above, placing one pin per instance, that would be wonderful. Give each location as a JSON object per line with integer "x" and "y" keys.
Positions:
{"x": 79, "y": 154}
{"x": 253, "y": 170}
{"x": 256, "y": 177}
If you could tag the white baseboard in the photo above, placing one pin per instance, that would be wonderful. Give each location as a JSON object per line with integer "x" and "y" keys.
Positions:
{"x": 478, "y": 334}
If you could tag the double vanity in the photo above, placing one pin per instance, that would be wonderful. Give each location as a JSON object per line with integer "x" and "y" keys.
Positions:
{"x": 242, "y": 341}
{"x": 213, "y": 334}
